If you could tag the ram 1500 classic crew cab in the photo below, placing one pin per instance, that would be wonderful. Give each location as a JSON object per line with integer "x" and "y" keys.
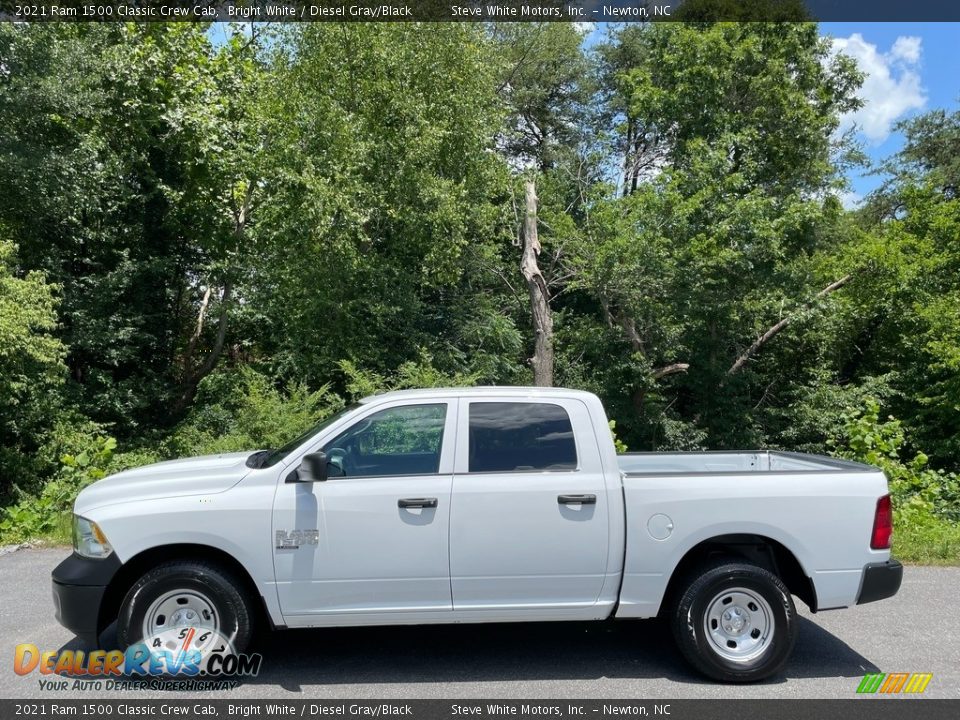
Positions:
{"x": 481, "y": 505}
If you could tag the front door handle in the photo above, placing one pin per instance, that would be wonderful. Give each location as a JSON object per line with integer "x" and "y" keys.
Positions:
{"x": 577, "y": 499}
{"x": 417, "y": 502}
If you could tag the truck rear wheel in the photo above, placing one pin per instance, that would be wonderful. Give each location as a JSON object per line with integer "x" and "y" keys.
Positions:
{"x": 735, "y": 622}
{"x": 184, "y": 593}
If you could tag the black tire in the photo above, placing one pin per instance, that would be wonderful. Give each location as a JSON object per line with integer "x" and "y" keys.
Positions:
{"x": 217, "y": 584}
{"x": 702, "y": 591}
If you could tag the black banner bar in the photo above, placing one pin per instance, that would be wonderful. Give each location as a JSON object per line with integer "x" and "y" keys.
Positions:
{"x": 863, "y": 708}
{"x": 475, "y": 10}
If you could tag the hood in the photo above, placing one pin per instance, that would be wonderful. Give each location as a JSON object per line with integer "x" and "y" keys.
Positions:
{"x": 190, "y": 476}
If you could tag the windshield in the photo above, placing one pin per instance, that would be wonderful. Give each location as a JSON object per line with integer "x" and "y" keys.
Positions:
{"x": 274, "y": 456}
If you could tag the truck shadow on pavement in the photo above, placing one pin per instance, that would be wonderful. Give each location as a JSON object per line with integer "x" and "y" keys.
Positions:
{"x": 514, "y": 652}
{"x": 503, "y": 652}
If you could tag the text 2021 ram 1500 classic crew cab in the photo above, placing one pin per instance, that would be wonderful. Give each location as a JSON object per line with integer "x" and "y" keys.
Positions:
{"x": 481, "y": 505}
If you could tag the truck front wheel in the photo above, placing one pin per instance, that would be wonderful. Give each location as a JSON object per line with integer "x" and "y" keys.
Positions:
{"x": 183, "y": 594}
{"x": 735, "y": 622}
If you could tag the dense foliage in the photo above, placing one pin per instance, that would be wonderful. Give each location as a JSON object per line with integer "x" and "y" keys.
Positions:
{"x": 210, "y": 239}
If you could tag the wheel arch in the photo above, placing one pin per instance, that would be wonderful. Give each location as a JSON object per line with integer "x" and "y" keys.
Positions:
{"x": 758, "y": 549}
{"x": 135, "y": 567}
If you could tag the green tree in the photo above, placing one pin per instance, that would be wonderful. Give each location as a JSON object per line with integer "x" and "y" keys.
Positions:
{"x": 907, "y": 309}
{"x": 383, "y": 202}
{"x": 31, "y": 369}
{"x": 716, "y": 229}
{"x": 544, "y": 79}
{"x": 126, "y": 176}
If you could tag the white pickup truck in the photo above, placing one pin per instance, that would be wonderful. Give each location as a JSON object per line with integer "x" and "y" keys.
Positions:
{"x": 476, "y": 505}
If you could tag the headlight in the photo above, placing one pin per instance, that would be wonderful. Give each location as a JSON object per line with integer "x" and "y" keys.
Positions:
{"x": 88, "y": 539}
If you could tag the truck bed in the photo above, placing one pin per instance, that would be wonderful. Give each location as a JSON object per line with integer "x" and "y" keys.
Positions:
{"x": 725, "y": 462}
{"x": 822, "y": 508}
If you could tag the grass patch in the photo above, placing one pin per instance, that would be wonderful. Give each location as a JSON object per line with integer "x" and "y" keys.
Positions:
{"x": 57, "y": 531}
{"x": 920, "y": 538}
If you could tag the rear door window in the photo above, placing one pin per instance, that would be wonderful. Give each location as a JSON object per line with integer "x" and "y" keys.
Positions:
{"x": 520, "y": 437}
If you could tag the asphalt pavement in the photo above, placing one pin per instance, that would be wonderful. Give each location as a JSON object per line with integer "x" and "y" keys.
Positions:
{"x": 916, "y": 631}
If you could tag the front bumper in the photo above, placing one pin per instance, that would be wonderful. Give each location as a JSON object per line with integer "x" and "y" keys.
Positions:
{"x": 880, "y": 581}
{"x": 79, "y": 584}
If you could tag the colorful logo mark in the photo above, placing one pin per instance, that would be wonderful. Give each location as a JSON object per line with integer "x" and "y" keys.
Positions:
{"x": 891, "y": 683}
{"x": 184, "y": 651}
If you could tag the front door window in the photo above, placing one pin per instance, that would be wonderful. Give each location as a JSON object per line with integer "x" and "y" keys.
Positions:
{"x": 402, "y": 440}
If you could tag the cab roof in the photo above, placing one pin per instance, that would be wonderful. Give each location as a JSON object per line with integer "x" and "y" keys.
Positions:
{"x": 498, "y": 390}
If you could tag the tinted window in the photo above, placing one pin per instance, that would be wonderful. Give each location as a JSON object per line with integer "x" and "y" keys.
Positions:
{"x": 518, "y": 437}
{"x": 397, "y": 441}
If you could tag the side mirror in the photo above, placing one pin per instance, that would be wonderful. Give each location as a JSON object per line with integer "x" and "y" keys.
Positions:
{"x": 313, "y": 468}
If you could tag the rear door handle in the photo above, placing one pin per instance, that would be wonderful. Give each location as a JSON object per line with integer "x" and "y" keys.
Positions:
{"x": 417, "y": 502}
{"x": 577, "y": 499}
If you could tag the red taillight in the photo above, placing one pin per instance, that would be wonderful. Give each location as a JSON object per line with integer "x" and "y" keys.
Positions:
{"x": 882, "y": 524}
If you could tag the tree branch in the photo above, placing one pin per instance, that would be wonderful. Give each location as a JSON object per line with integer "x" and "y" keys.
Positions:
{"x": 629, "y": 326}
{"x": 671, "y": 369}
{"x": 192, "y": 377}
{"x": 776, "y": 328}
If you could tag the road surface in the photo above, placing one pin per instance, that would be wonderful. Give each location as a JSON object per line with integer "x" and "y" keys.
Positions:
{"x": 916, "y": 631}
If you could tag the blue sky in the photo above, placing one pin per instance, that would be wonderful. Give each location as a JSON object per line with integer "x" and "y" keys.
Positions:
{"x": 911, "y": 68}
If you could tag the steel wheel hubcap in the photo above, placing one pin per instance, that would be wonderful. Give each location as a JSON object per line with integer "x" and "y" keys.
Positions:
{"x": 739, "y": 624}
{"x": 180, "y": 608}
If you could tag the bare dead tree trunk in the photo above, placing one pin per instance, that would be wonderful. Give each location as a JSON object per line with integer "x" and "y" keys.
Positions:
{"x": 197, "y": 331}
{"x": 211, "y": 362}
{"x": 540, "y": 311}
{"x": 774, "y": 329}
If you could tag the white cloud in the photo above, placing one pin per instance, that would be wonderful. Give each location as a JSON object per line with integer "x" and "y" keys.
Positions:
{"x": 850, "y": 200}
{"x": 907, "y": 48}
{"x": 891, "y": 86}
